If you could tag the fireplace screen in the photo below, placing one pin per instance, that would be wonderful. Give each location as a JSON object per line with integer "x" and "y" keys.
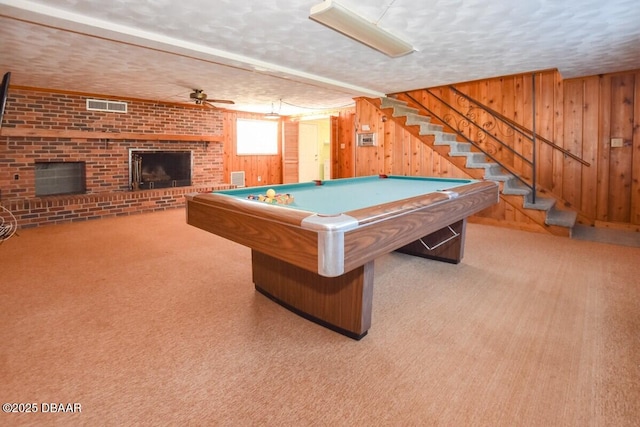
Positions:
{"x": 53, "y": 178}
{"x": 160, "y": 169}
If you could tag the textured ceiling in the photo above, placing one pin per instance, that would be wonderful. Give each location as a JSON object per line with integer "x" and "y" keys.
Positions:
{"x": 268, "y": 55}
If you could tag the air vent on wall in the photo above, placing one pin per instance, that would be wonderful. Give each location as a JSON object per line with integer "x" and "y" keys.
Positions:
{"x": 237, "y": 178}
{"x": 102, "y": 105}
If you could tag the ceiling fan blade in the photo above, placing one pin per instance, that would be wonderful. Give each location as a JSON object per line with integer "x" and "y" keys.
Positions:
{"x": 200, "y": 97}
{"x": 208, "y": 104}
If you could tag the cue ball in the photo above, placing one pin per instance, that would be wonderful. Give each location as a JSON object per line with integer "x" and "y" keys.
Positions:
{"x": 271, "y": 193}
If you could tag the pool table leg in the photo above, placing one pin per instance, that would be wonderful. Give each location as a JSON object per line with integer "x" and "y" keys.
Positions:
{"x": 341, "y": 303}
{"x": 451, "y": 251}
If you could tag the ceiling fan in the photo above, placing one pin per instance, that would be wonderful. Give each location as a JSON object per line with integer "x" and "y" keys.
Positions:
{"x": 201, "y": 98}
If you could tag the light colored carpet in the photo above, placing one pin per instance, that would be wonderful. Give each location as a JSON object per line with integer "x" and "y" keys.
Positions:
{"x": 606, "y": 235}
{"x": 144, "y": 320}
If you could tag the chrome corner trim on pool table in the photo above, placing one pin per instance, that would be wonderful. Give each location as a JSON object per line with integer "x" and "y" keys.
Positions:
{"x": 331, "y": 231}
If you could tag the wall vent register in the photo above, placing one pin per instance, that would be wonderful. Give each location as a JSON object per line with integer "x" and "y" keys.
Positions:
{"x": 237, "y": 178}
{"x": 102, "y": 105}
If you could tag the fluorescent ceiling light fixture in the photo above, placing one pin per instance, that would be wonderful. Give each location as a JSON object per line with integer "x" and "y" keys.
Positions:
{"x": 337, "y": 17}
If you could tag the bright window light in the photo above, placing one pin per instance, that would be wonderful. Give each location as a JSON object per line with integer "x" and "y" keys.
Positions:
{"x": 256, "y": 137}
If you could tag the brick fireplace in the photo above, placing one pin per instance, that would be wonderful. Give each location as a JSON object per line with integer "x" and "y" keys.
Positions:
{"x": 49, "y": 137}
{"x": 150, "y": 169}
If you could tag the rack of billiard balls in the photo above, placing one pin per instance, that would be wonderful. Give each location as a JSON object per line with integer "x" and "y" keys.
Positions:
{"x": 272, "y": 197}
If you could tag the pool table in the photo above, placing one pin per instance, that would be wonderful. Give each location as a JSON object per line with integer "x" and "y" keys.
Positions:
{"x": 315, "y": 254}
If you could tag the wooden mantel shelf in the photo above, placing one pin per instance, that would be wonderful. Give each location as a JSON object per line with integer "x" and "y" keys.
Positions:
{"x": 78, "y": 134}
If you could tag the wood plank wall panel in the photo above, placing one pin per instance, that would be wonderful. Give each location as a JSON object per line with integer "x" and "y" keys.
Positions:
{"x": 522, "y": 97}
{"x": 369, "y": 160}
{"x": 589, "y": 177}
{"x": 267, "y": 167}
{"x": 580, "y": 115}
{"x": 604, "y": 149}
{"x": 405, "y": 160}
{"x": 557, "y": 157}
{"x": 572, "y": 140}
{"x": 389, "y": 143}
{"x": 635, "y": 144}
{"x": 343, "y": 145}
{"x": 621, "y": 158}
{"x": 545, "y": 106}
{"x": 392, "y": 141}
{"x": 506, "y": 100}
{"x": 335, "y": 146}
{"x": 290, "y": 152}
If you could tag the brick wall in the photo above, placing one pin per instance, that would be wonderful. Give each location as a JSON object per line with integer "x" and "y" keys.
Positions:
{"x": 64, "y": 117}
{"x": 49, "y": 110}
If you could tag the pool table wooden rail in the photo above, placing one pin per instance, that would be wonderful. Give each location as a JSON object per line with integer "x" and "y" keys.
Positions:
{"x": 279, "y": 230}
{"x": 269, "y": 229}
{"x": 413, "y": 219}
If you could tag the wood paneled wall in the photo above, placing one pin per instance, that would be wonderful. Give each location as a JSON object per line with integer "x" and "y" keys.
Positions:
{"x": 581, "y": 115}
{"x": 267, "y": 168}
{"x": 618, "y": 176}
{"x": 343, "y": 150}
{"x": 290, "y": 152}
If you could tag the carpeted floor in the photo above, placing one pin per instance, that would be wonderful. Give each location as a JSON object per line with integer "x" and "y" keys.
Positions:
{"x": 144, "y": 320}
{"x": 605, "y": 235}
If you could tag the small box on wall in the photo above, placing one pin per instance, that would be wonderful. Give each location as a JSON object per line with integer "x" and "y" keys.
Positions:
{"x": 366, "y": 139}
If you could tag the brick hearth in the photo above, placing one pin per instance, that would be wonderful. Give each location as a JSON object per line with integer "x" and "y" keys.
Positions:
{"x": 48, "y": 210}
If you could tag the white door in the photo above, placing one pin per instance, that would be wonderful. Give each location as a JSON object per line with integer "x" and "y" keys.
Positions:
{"x": 308, "y": 162}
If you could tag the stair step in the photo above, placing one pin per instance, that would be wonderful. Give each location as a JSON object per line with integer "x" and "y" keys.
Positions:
{"x": 430, "y": 128}
{"x": 391, "y": 102}
{"x": 453, "y": 153}
{"x": 444, "y": 138}
{"x": 501, "y": 178}
{"x": 459, "y": 148}
{"x": 476, "y": 160}
{"x": 495, "y": 169}
{"x": 561, "y": 218}
{"x": 417, "y": 119}
{"x": 482, "y": 163}
{"x": 494, "y": 172}
{"x": 541, "y": 204}
{"x": 515, "y": 188}
{"x": 402, "y": 110}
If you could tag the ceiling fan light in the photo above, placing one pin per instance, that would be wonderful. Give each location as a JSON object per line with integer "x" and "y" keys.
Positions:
{"x": 197, "y": 94}
{"x": 344, "y": 21}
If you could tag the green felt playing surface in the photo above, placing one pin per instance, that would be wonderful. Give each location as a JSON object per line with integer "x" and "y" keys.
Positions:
{"x": 343, "y": 195}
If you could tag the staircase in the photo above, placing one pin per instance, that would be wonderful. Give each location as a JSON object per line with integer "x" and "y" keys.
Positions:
{"x": 476, "y": 164}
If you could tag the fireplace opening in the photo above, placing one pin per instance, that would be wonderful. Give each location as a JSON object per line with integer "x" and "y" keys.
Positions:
{"x": 160, "y": 169}
{"x": 55, "y": 178}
